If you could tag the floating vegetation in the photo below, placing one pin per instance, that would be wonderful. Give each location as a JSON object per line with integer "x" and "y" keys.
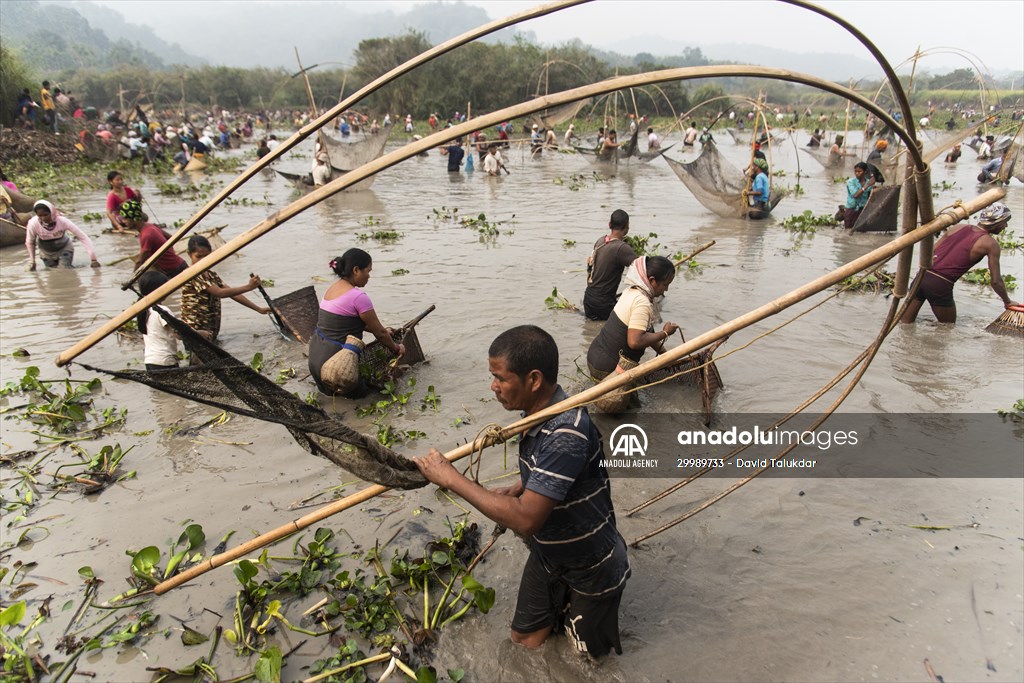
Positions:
{"x": 807, "y": 222}
{"x": 568, "y": 244}
{"x": 371, "y": 222}
{"x": 92, "y": 216}
{"x": 1015, "y": 413}
{"x": 1008, "y": 240}
{"x": 839, "y": 180}
{"x": 445, "y": 214}
{"x": 485, "y": 227}
{"x": 248, "y": 201}
{"x": 944, "y": 186}
{"x": 43, "y": 179}
{"x": 643, "y": 245}
{"x": 557, "y": 302}
{"x": 97, "y": 471}
{"x": 392, "y": 404}
{"x": 379, "y": 235}
{"x": 873, "y": 283}
{"x": 579, "y": 181}
{"x": 982, "y": 276}
{"x": 397, "y": 272}
{"x": 187, "y": 191}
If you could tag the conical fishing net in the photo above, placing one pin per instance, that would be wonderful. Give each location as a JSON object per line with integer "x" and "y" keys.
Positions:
{"x": 220, "y": 380}
{"x": 716, "y": 183}
{"x": 881, "y": 213}
{"x": 347, "y": 155}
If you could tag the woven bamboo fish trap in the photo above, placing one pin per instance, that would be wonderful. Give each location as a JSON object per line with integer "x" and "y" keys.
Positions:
{"x": 298, "y": 312}
{"x": 698, "y": 368}
{"x": 378, "y": 364}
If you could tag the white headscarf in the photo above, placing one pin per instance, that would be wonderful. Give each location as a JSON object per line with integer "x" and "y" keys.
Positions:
{"x": 636, "y": 276}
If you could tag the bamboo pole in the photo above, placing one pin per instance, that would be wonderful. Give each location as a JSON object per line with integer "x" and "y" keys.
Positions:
{"x": 412, "y": 149}
{"x": 694, "y": 254}
{"x": 327, "y": 116}
{"x": 312, "y": 106}
{"x": 670, "y": 357}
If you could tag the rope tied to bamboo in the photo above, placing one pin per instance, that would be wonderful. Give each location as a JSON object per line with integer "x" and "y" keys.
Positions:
{"x": 490, "y": 435}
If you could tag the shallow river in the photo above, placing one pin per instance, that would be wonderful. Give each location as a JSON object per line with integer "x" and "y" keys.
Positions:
{"x": 802, "y": 579}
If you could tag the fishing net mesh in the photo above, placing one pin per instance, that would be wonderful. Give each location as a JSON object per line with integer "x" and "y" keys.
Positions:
{"x": 881, "y": 213}
{"x": 716, "y": 183}
{"x": 220, "y": 380}
{"x": 346, "y": 156}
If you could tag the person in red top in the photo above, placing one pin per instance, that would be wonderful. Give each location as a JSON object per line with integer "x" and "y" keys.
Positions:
{"x": 962, "y": 247}
{"x": 151, "y": 238}
{"x": 119, "y": 194}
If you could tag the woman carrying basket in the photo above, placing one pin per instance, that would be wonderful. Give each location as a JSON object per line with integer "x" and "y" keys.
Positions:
{"x": 629, "y": 330}
{"x": 345, "y": 312}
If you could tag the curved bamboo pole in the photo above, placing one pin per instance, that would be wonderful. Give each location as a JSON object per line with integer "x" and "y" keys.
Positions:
{"x": 342, "y": 106}
{"x": 446, "y": 135}
{"x": 890, "y": 73}
{"x": 670, "y": 357}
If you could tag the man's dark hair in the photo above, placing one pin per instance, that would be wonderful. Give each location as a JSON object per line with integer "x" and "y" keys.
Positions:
{"x": 525, "y": 348}
{"x": 619, "y": 220}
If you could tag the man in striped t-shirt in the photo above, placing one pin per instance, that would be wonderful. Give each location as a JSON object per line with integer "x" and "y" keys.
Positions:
{"x": 577, "y": 569}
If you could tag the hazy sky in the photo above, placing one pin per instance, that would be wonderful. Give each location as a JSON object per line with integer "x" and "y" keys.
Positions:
{"x": 990, "y": 29}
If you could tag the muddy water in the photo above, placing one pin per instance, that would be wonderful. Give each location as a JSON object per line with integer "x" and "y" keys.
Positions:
{"x": 775, "y": 582}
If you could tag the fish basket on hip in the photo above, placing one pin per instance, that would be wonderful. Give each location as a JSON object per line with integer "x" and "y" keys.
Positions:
{"x": 341, "y": 371}
{"x": 617, "y": 400}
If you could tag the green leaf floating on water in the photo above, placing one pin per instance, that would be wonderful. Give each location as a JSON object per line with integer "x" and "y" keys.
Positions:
{"x": 268, "y": 667}
{"x": 245, "y": 571}
{"x": 193, "y": 537}
{"x": 13, "y": 614}
{"x": 144, "y": 563}
{"x": 191, "y": 637}
{"x": 483, "y": 597}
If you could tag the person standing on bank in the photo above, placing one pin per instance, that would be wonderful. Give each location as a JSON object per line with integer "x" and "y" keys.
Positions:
{"x": 346, "y": 311}
{"x": 578, "y": 566}
{"x": 49, "y": 230}
{"x": 611, "y": 255}
{"x": 960, "y": 249}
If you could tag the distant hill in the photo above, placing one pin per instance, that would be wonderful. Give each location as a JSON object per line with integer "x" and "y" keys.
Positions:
{"x": 831, "y": 66}
{"x": 265, "y": 34}
{"x": 52, "y": 38}
{"x": 116, "y": 28}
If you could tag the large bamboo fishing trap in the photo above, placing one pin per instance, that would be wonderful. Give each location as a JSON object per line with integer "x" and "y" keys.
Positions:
{"x": 917, "y": 205}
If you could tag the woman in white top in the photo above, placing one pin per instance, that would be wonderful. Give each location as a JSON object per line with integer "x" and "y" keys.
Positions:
{"x": 629, "y": 331}
{"x": 160, "y": 340}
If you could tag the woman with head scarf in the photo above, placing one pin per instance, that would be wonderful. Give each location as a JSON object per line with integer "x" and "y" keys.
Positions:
{"x": 151, "y": 238}
{"x": 48, "y": 230}
{"x": 629, "y": 330}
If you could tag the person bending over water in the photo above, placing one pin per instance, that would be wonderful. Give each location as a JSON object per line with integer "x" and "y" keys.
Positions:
{"x": 346, "y": 311}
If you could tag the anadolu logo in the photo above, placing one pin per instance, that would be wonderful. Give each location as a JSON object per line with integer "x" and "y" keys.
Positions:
{"x": 628, "y": 440}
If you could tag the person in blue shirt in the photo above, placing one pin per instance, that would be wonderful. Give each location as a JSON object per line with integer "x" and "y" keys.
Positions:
{"x": 858, "y": 189}
{"x": 561, "y": 504}
{"x": 455, "y": 154}
{"x": 759, "y": 194}
{"x": 990, "y": 172}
